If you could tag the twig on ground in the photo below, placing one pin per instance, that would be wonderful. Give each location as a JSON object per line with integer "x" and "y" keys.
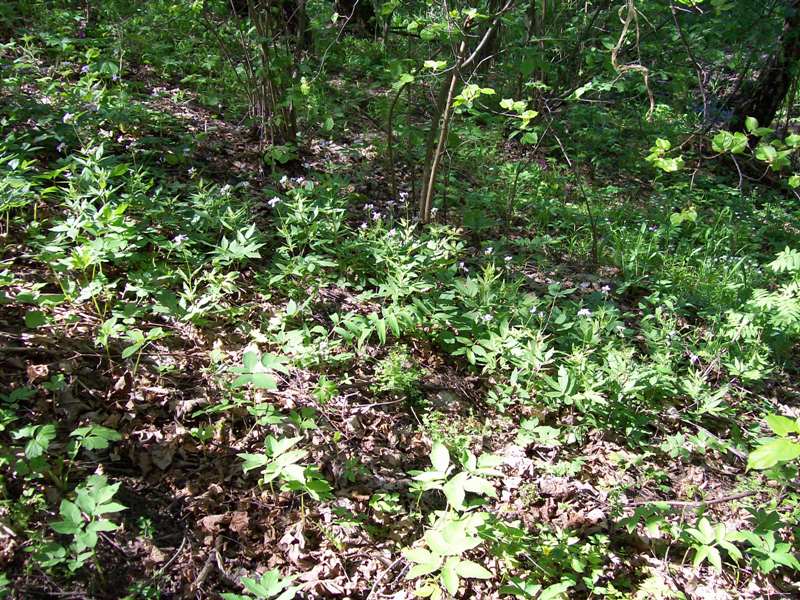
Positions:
{"x": 697, "y": 503}
{"x": 381, "y": 576}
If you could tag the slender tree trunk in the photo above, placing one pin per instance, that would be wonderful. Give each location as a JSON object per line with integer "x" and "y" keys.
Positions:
{"x": 775, "y": 80}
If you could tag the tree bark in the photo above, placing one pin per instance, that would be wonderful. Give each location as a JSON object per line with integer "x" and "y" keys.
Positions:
{"x": 775, "y": 80}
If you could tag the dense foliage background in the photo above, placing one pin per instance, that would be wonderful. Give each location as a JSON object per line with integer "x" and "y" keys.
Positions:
{"x": 381, "y": 299}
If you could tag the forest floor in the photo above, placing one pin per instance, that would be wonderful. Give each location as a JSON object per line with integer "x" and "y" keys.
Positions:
{"x": 597, "y": 504}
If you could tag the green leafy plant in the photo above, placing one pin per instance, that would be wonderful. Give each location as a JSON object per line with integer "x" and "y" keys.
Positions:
{"x": 270, "y": 586}
{"x": 440, "y": 552}
{"x": 473, "y": 479}
{"x": 781, "y": 449}
{"x": 84, "y": 519}
{"x": 280, "y": 461}
{"x": 257, "y": 370}
{"x": 706, "y": 540}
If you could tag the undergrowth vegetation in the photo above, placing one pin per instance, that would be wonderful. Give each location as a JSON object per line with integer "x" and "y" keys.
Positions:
{"x": 240, "y": 365}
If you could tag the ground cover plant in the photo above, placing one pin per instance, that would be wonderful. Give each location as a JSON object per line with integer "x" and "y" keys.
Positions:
{"x": 334, "y": 299}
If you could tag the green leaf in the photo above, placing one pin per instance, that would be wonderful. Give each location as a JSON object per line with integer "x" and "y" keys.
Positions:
{"x": 773, "y": 452}
{"x": 792, "y": 140}
{"x": 34, "y": 319}
{"x": 722, "y": 142}
{"x": 701, "y": 552}
{"x": 781, "y": 425}
{"x": 253, "y": 461}
{"x": 715, "y": 559}
{"x": 440, "y": 457}
{"x": 70, "y": 512}
{"x": 263, "y": 381}
{"x": 131, "y": 350}
{"x": 472, "y": 570}
{"x": 110, "y": 507}
{"x": 38, "y": 445}
{"x": 751, "y": 124}
{"x": 102, "y": 525}
{"x": 422, "y": 569}
{"x": 454, "y": 490}
{"x": 766, "y": 153}
{"x": 418, "y": 555}
{"x": 450, "y": 576}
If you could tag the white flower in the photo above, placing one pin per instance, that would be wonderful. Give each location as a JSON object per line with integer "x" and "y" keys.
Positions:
{"x": 434, "y": 210}
{"x": 534, "y": 311}
{"x": 369, "y": 207}
{"x": 487, "y": 317}
{"x": 584, "y": 312}
{"x": 605, "y": 289}
{"x": 61, "y": 147}
{"x": 192, "y": 171}
{"x": 179, "y": 239}
{"x": 283, "y": 180}
{"x": 362, "y": 226}
{"x": 376, "y": 215}
{"x": 488, "y": 251}
{"x": 274, "y": 202}
{"x": 463, "y": 267}
{"x": 693, "y": 358}
{"x": 584, "y": 285}
{"x": 225, "y": 189}
{"x": 68, "y": 118}
{"x": 508, "y": 259}
{"x": 392, "y": 232}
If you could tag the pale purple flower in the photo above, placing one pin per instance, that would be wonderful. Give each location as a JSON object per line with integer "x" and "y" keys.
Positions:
{"x": 584, "y": 285}
{"x": 487, "y": 317}
{"x": 68, "y": 118}
{"x": 179, "y": 239}
{"x": 605, "y": 289}
{"x": 274, "y": 202}
{"x": 85, "y": 69}
{"x": 392, "y": 232}
{"x": 61, "y": 147}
